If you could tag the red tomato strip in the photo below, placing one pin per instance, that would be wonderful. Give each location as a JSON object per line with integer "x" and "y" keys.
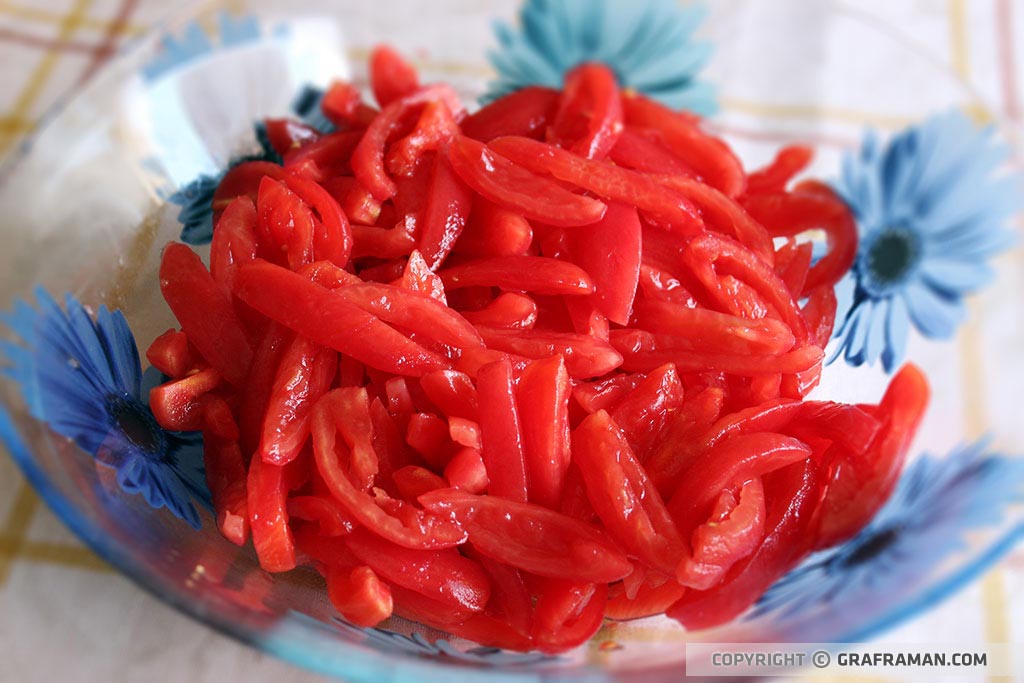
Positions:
{"x": 329, "y": 319}
{"x": 502, "y": 432}
{"x": 510, "y": 373}
{"x": 622, "y": 496}
{"x": 514, "y": 187}
{"x": 205, "y": 313}
{"x": 531, "y": 537}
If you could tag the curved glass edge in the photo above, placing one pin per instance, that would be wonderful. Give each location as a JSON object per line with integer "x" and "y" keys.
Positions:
{"x": 317, "y": 655}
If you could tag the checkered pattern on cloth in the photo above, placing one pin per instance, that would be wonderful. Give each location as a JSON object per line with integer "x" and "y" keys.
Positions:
{"x": 65, "y": 615}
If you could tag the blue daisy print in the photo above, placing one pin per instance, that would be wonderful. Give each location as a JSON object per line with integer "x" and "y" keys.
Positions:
{"x": 194, "y": 43}
{"x": 935, "y": 504}
{"x": 82, "y": 376}
{"x": 196, "y": 198}
{"x": 306, "y": 107}
{"x": 931, "y": 209}
{"x": 647, "y": 43}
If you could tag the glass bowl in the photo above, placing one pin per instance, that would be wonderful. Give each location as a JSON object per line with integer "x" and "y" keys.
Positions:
{"x": 92, "y": 198}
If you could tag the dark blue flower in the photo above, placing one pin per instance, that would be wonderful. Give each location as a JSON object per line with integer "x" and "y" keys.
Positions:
{"x": 936, "y": 503}
{"x": 648, "y": 43}
{"x": 196, "y": 214}
{"x": 931, "y": 209}
{"x": 82, "y": 376}
{"x": 196, "y": 198}
{"x": 306, "y": 107}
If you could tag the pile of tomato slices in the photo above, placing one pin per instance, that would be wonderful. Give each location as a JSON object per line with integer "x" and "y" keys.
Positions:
{"x": 514, "y": 372}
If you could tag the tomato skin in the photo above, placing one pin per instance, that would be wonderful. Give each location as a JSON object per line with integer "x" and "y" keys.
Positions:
{"x": 795, "y": 491}
{"x": 713, "y": 161}
{"x": 524, "y": 112}
{"x": 543, "y": 401}
{"x": 413, "y": 481}
{"x": 605, "y": 394}
{"x": 433, "y": 130}
{"x": 322, "y": 158}
{"x": 453, "y": 392}
{"x": 585, "y": 356}
{"x": 368, "y": 156}
{"x": 648, "y": 601}
{"x": 588, "y": 121}
{"x": 331, "y": 518}
{"x": 445, "y": 213}
{"x": 609, "y": 182}
{"x": 567, "y": 614}
{"x": 226, "y": 477}
{"x": 332, "y": 237}
{"x": 179, "y": 405}
{"x": 531, "y": 273}
{"x": 509, "y": 310}
{"x": 532, "y": 538}
{"x": 242, "y": 180}
{"x": 391, "y": 77}
{"x": 506, "y": 374}
{"x": 732, "y": 460}
{"x": 205, "y": 313}
{"x": 609, "y": 252}
{"x": 169, "y": 353}
{"x": 811, "y": 205}
{"x": 728, "y": 536}
{"x": 643, "y": 150}
{"x": 788, "y": 161}
{"x": 492, "y": 175}
{"x": 501, "y": 429}
{"x": 350, "y": 408}
{"x": 493, "y": 230}
{"x": 302, "y": 305}
{"x": 285, "y": 225}
{"x": 443, "y": 575}
{"x": 234, "y": 240}
{"x": 304, "y": 375}
{"x": 642, "y": 413}
{"x": 623, "y": 497}
{"x": 268, "y": 516}
{"x": 359, "y": 595}
{"x": 861, "y": 484}
{"x": 424, "y": 531}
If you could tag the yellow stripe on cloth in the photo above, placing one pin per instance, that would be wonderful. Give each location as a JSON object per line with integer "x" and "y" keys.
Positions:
{"x": 59, "y": 554}
{"x": 16, "y": 528}
{"x": 993, "y": 589}
{"x": 814, "y": 111}
{"x": 40, "y": 75}
{"x": 43, "y": 16}
{"x": 959, "y": 53}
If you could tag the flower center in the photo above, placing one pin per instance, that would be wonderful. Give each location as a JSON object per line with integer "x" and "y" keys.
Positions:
{"x": 872, "y": 547}
{"x": 890, "y": 257}
{"x": 136, "y": 424}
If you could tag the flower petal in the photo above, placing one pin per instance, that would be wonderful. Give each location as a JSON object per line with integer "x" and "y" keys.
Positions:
{"x": 856, "y": 332}
{"x": 648, "y": 44}
{"x": 874, "y": 342}
{"x": 954, "y": 277}
{"x": 897, "y": 326}
{"x": 934, "y": 315}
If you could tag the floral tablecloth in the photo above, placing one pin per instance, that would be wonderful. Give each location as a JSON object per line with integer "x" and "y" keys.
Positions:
{"x": 65, "y": 615}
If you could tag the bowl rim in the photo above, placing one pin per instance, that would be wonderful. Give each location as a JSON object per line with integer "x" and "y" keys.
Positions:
{"x": 371, "y": 664}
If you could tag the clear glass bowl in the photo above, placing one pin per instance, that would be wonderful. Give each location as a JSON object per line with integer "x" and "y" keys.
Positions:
{"x": 86, "y": 211}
